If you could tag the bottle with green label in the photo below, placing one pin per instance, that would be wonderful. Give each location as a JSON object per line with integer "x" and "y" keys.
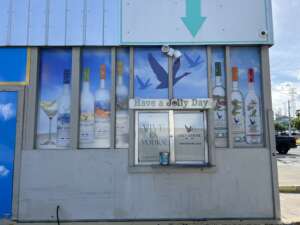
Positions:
{"x": 87, "y": 121}
{"x": 220, "y": 108}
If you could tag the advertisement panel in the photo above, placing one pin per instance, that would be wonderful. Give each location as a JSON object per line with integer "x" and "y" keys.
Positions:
{"x": 219, "y": 95}
{"x": 54, "y": 105}
{"x": 8, "y": 120}
{"x": 95, "y": 100}
{"x": 246, "y": 96}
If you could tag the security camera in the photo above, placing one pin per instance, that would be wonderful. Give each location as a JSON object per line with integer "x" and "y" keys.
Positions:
{"x": 177, "y": 54}
{"x": 165, "y": 49}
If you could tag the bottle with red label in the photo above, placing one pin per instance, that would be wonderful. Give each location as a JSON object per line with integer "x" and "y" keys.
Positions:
{"x": 252, "y": 112}
{"x": 237, "y": 104}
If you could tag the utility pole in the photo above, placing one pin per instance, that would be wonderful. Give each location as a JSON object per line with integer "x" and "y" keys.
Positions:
{"x": 289, "y": 110}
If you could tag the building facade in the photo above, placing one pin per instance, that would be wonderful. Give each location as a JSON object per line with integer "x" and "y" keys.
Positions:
{"x": 137, "y": 110}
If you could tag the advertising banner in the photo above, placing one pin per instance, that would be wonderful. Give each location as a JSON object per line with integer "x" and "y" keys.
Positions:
{"x": 8, "y": 120}
{"x": 54, "y": 116}
{"x": 95, "y": 100}
{"x": 246, "y": 96}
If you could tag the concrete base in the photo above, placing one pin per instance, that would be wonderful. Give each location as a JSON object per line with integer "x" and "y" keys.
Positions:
{"x": 211, "y": 222}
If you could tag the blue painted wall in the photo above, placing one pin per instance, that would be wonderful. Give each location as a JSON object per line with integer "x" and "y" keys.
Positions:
{"x": 13, "y": 64}
{"x": 8, "y": 108}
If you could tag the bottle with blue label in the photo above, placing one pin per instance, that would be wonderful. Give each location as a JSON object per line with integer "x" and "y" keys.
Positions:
{"x": 63, "y": 137}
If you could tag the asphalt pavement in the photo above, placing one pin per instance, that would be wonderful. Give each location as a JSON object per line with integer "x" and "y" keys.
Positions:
{"x": 289, "y": 168}
{"x": 289, "y": 176}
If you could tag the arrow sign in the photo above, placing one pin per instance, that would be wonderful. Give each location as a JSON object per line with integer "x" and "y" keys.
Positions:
{"x": 193, "y": 19}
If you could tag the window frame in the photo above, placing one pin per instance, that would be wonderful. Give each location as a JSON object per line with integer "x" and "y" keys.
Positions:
{"x": 31, "y": 97}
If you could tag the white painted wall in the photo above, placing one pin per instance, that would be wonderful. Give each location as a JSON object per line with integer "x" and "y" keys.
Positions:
{"x": 95, "y": 184}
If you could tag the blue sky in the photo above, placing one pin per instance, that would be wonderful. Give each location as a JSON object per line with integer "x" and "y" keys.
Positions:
{"x": 285, "y": 54}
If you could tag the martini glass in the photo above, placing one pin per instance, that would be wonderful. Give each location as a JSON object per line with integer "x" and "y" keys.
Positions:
{"x": 50, "y": 109}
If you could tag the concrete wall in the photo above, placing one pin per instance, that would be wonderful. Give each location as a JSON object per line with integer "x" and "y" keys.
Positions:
{"x": 96, "y": 184}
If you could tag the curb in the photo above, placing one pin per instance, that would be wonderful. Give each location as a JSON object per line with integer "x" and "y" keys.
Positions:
{"x": 290, "y": 189}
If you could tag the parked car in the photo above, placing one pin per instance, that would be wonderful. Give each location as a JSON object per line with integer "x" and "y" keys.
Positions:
{"x": 285, "y": 143}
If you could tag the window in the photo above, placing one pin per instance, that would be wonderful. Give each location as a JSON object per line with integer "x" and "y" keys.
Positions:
{"x": 190, "y": 137}
{"x": 122, "y": 96}
{"x": 168, "y": 107}
{"x": 190, "y": 73}
{"x": 219, "y": 95}
{"x": 95, "y": 99}
{"x": 246, "y": 101}
{"x": 179, "y": 134}
{"x": 151, "y": 75}
{"x": 54, "y": 104}
{"x": 152, "y": 136}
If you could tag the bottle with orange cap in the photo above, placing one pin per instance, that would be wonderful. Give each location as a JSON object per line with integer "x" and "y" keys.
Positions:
{"x": 122, "y": 116}
{"x": 252, "y": 109}
{"x": 102, "y": 112}
{"x": 237, "y": 104}
{"x": 220, "y": 108}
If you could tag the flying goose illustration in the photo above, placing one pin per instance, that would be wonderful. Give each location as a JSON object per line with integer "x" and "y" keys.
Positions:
{"x": 193, "y": 63}
{"x": 143, "y": 85}
{"x": 162, "y": 74}
{"x": 188, "y": 129}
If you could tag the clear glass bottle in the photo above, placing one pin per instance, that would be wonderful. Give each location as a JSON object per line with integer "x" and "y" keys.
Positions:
{"x": 220, "y": 108}
{"x": 87, "y": 109}
{"x": 64, "y": 114}
{"x": 252, "y": 109}
{"x": 102, "y": 112}
{"x": 122, "y": 117}
{"x": 238, "y": 114}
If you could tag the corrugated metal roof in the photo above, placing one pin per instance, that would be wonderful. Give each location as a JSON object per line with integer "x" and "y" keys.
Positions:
{"x": 59, "y": 22}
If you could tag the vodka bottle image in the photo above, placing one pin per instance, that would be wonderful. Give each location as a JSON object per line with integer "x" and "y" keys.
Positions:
{"x": 64, "y": 114}
{"x": 102, "y": 112}
{"x": 252, "y": 109}
{"x": 122, "y": 117}
{"x": 87, "y": 109}
{"x": 220, "y": 108}
{"x": 238, "y": 114}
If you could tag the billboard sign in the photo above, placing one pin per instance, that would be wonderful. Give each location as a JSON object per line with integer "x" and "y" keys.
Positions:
{"x": 196, "y": 22}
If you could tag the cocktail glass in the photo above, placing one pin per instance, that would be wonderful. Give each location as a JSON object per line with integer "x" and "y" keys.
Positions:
{"x": 50, "y": 109}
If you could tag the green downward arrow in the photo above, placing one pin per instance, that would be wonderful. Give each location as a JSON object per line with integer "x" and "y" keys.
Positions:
{"x": 193, "y": 19}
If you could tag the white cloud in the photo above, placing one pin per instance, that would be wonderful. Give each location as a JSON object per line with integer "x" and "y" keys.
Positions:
{"x": 6, "y": 111}
{"x": 3, "y": 171}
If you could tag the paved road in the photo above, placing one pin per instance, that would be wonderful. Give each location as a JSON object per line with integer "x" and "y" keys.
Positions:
{"x": 291, "y": 159}
{"x": 289, "y": 175}
{"x": 289, "y": 168}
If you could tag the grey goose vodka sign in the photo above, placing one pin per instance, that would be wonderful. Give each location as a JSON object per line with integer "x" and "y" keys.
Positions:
{"x": 199, "y": 103}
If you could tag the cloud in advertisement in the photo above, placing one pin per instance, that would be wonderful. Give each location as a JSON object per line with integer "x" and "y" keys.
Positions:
{"x": 3, "y": 171}
{"x": 7, "y": 111}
